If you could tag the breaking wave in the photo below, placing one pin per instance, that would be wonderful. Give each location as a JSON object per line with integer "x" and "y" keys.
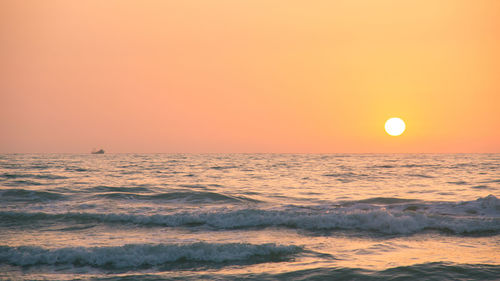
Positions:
{"x": 145, "y": 255}
{"x": 479, "y": 217}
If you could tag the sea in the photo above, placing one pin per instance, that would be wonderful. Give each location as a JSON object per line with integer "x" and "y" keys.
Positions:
{"x": 250, "y": 217}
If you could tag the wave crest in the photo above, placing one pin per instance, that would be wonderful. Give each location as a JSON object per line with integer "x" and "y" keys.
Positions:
{"x": 481, "y": 216}
{"x": 189, "y": 196}
{"x": 24, "y": 195}
{"x": 143, "y": 255}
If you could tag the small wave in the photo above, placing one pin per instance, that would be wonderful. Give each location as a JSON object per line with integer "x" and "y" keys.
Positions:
{"x": 480, "y": 186}
{"x": 420, "y": 165}
{"x": 76, "y": 169}
{"x": 346, "y": 177}
{"x": 198, "y": 186}
{"x": 491, "y": 181}
{"x": 223, "y": 167}
{"x": 21, "y": 183}
{"x": 458, "y": 182}
{"x": 427, "y": 271}
{"x": 384, "y": 166}
{"x": 488, "y": 202}
{"x": 421, "y": 176}
{"x": 385, "y": 200}
{"x": 28, "y": 195}
{"x": 144, "y": 255}
{"x": 38, "y": 167}
{"x": 190, "y": 196}
{"x": 104, "y": 188}
{"x": 33, "y": 176}
{"x": 336, "y": 175}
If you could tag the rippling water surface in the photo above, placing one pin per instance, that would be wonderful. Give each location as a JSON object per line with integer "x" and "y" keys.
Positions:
{"x": 249, "y": 216}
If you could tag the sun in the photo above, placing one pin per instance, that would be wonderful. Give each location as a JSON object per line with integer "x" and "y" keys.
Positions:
{"x": 395, "y": 126}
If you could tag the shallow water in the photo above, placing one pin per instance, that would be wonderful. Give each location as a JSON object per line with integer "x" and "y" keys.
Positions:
{"x": 249, "y": 216}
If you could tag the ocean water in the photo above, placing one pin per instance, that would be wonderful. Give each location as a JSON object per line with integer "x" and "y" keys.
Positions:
{"x": 250, "y": 216}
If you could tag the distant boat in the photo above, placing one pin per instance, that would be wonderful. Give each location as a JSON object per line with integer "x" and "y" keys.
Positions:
{"x": 100, "y": 151}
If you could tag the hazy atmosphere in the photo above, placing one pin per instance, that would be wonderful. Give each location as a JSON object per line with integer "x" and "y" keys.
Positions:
{"x": 249, "y": 76}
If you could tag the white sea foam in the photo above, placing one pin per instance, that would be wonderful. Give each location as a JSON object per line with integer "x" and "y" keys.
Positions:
{"x": 481, "y": 215}
{"x": 142, "y": 255}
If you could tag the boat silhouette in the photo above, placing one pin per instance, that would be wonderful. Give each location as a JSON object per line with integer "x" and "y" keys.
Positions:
{"x": 100, "y": 151}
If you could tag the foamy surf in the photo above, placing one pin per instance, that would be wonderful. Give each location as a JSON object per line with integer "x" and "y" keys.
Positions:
{"x": 143, "y": 255}
{"x": 480, "y": 217}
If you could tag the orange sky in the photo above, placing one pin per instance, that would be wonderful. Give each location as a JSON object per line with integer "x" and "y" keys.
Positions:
{"x": 249, "y": 76}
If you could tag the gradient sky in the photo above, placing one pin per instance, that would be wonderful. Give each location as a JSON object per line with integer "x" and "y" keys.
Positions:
{"x": 249, "y": 76}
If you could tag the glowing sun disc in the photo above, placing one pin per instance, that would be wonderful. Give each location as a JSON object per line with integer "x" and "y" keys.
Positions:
{"x": 395, "y": 126}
